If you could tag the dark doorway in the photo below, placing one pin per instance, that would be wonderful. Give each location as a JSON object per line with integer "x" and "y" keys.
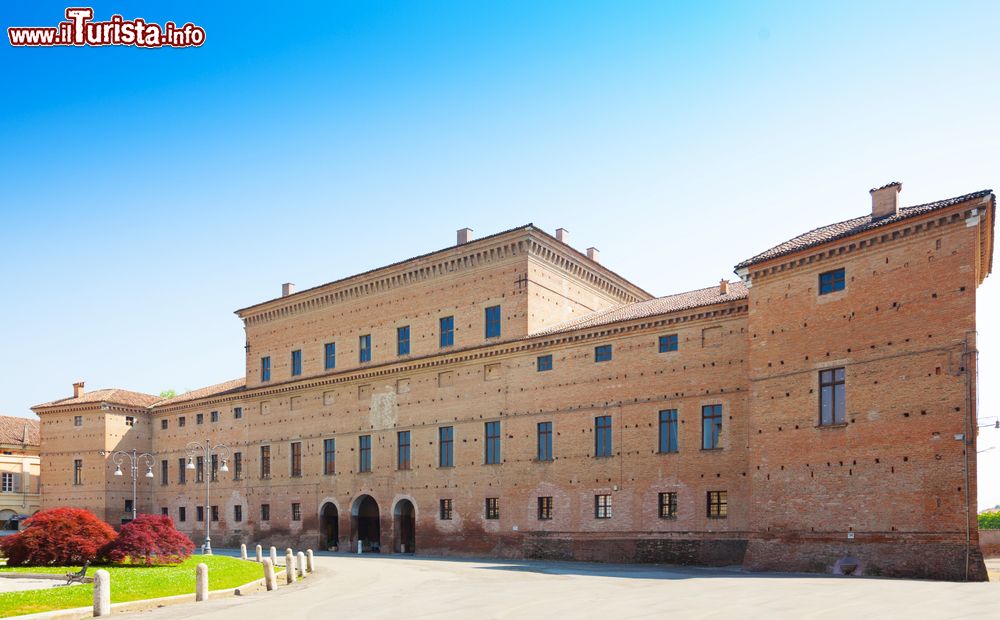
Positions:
{"x": 365, "y": 524}
{"x": 404, "y": 526}
{"x": 329, "y": 525}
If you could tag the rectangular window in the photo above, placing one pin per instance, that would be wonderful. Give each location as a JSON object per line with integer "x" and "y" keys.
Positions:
{"x": 296, "y": 362}
{"x": 237, "y": 465}
{"x": 265, "y": 512}
{"x": 403, "y": 450}
{"x": 181, "y": 472}
{"x": 265, "y": 462}
{"x": 544, "y": 363}
{"x": 329, "y": 457}
{"x": 831, "y": 281}
{"x": 831, "y": 397}
{"x": 668, "y": 505}
{"x": 164, "y": 471}
{"x": 365, "y": 453}
{"x": 446, "y": 446}
{"x": 237, "y": 413}
{"x": 265, "y": 368}
{"x": 711, "y": 426}
{"x": 365, "y": 348}
{"x": 8, "y": 482}
{"x": 215, "y": 467}
{"x": 446, "y": 510}
{"x": 602, "y": 436}
{"x": 545, "y": 441}
{"x": 199, "y": 466}
{"x": 182, "y": 514}
{"x": 447, "y": 331}
{"x": 493, "y": 322}
{"x": 181, "y": 421}
{"x": 330, "y": 355}
{"x": 128, "y": 505}
{"x": 602, "y": 353}
{"x": 215, "y": 513}
{"x": 199, "y": 513}
{"x": 403, "y": 340}
{"x": 129, "y": 420}
{"x": 492, "y": 507}
{"x": 78, "y": 471}
{"x": 214, "y": 416}
{"x": 544, "y": 508}
{"x": 296, "y": 511}
{"x": 492, "y": 448}
{"x": 296, "y": 457}
{"x": 717, "y": 504}
{"x": 668, "y": 343}
{"x": 78, "y": 420}
{"x": 602, "y": 506}
{"x": 668, "y": 431}
{"x": 163, "y": 424}
{"x": 238, "y": 513}
{"x": 199, "y": 418}
{"x": 164, "y": 511}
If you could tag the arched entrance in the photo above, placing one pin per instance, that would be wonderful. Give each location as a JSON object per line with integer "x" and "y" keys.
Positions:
{"x": 365, "y": 524}
{"x": 404, "y": 526}
{"x": 329, "y": 528}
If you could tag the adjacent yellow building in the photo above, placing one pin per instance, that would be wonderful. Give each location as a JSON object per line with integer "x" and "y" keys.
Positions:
{"x": 19, "y": 469}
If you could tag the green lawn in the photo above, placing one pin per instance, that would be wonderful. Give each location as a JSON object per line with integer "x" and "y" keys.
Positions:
{"x": 128, "y": 583}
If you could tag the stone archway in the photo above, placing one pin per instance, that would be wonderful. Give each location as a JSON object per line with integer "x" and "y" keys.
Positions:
{"x": 329, "y": 526}
{"x": 404, "y": 527}
{"x": 365, "y": 526}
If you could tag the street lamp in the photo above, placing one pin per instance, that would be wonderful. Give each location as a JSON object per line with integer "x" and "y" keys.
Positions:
{"x": 134, "y": 458}
{"x": 208, "y": 449}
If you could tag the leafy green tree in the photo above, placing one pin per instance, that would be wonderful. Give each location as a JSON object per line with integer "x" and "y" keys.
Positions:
{"x": 989, "y": 521}
{"x": 168, "y": 394}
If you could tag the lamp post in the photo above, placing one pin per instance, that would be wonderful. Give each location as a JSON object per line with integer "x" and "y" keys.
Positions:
{"x": 208, "y": 450}
{"x": 134, "y": 457}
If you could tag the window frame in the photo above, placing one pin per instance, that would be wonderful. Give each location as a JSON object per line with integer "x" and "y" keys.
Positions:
{"x": 711, "y": 420}
{"x": 832, "y": 281}
{"x": 265, "y": 369}
{"x": 330, "y": 356}
{"x": 492, "y": 511}
{"x": 329, "y": 456}
{"x": 830, "y": 379}
{"x": 445, "y": 509}
{"x": 265, "y": 462}
{"x": 446, "y": 446}
{"x": 717, "y": 504}
{"x": 296, "y": 362}
{"x": 668, "y": 418}
{"x": 403, "y": 340}
{"x": 403, "y": 452}
{"x": 543, "y": 363}
{"x": 544, "y": 452}
{"x": 365, "y": 349}
{"x": 602, "y": 506}
{"x": 603, "y": 437}
{"x": 668, "y": 343}
{"x": 493, "y": 322}
{"x": 668, "y": 500}
{"x": 545, "y": 508}
{"x": 446, "y": 335}
{"x": 603, "y": 353}
{"x": 364, "y": 454}
{"x": 295, "y": 459}
{"x": 491, "y": 447}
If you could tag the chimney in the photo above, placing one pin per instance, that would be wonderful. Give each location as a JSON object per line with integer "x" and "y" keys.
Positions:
{"x": 78, "y": 389}
{"x": 562, "y": 235}
{"x": 885, "y": 199}
{"x": 287, "y": 289}
{"x": 723, "y": 287}
{"x": 464, "y": 235}
{"x": 594, "y": 254}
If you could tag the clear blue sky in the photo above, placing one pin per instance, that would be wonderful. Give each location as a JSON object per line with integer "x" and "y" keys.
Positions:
{"x": 146, "y": 194}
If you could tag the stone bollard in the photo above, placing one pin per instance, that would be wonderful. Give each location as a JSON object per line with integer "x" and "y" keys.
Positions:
{"x": 359, "y": 547}
{"x": 260, "y": 555}
{"x": 289, "y": 567}
{"x": 301, "y": 566}
{"x": 309, "y": 560}
{"x": 274, "y": 556}
{"x": 269, "y": 581}
{"x": 201, "y": 583}
{"x": 102, "y": 593}
{"x": 289, "y": 550}
{"x": 243, "y": 551}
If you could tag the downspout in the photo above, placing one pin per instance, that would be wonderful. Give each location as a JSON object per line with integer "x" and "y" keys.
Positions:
{"x": 970, "y": 428}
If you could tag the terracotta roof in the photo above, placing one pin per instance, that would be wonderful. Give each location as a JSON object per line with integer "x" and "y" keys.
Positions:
{"x": 213, "y": 390}
{"x": 12, "y": 430}
{"x": 112, "y": 396}
{"x": 653, "y": 307}
{"x": 854, "y": 226}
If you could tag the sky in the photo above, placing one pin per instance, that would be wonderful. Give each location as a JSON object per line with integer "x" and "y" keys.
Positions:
{"x": 146, "y": 194}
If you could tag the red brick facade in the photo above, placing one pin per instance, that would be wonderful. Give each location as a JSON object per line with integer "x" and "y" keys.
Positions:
{"x": 890, "y": 490}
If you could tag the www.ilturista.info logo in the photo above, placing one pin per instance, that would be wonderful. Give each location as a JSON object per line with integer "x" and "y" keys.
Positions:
{"x": 79, "y": 29}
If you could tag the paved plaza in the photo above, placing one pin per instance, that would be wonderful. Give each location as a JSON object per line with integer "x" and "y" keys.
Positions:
{"x": 394, "y": 586}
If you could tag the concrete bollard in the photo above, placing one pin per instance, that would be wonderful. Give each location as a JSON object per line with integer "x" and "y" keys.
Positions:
{"x": 102, "y": 593}
{"x": 269, "y": 581}
{"x": 260, "y": 555}
{"x": 359, "y": 547}
{"x": 309, "y": 560}
{"x": 289, "y": 550}
{"x": 301, "y": 566}
{"x": 243, "y": 551}
{"x": 274, "y": 556}
{"x": 201, "y": 583}
{"x": 289, "y": 567}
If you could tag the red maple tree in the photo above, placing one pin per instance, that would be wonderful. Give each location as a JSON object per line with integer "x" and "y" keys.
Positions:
{"x": 150, "y": 539}
{"x": 59, "y": 536}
